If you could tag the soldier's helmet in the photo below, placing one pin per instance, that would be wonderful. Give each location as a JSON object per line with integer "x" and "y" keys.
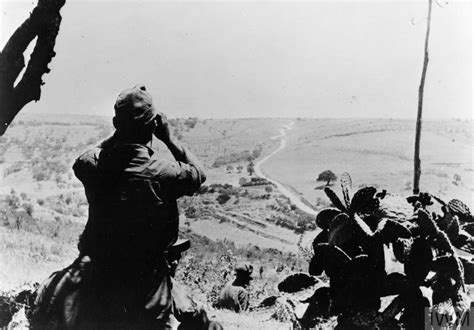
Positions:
{"x": 134, "y": 106}
{"x": 244, "y": 271}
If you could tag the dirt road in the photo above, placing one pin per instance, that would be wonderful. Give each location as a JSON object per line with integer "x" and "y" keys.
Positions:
{"x": 285, "y": 190}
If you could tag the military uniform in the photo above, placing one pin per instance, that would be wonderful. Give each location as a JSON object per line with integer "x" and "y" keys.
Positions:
{"x": 132, "y": 195}
{"x": 234, "y": 295}
{"x": 122, "y": 278}
{"x": 235, "y": 298}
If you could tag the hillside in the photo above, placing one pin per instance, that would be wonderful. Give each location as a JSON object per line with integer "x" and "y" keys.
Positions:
{"x": 379, "y": 153}
{"x": 235, "y": 216}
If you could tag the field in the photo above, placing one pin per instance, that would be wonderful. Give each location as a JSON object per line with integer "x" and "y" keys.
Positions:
{"x": 234, "y": 216}
{"x": 378, "y": 153}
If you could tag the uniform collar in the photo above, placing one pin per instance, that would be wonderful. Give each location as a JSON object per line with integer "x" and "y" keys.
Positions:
{"x": 135, "y": 149}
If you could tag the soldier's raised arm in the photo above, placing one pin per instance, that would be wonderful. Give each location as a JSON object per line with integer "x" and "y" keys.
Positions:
{"x": 180, "y": 153}
{"x": 188, "y": 173}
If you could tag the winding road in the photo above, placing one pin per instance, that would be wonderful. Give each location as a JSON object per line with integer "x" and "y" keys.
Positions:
{"x": 294, "y": 198}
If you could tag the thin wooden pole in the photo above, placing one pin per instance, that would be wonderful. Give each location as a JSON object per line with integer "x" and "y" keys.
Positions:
{"x": 417, "y": 161}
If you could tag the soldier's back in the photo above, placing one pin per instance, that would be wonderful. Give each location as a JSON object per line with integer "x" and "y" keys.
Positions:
{"x": 234, "y": 297}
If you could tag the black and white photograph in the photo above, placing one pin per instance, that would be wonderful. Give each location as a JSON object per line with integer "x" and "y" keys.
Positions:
{"x": 236, "y": 164}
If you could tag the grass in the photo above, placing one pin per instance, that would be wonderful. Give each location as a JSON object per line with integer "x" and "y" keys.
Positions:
{"x": 30, "y": 257}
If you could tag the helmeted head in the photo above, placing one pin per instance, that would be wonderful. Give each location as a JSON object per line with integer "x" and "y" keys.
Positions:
{"x": 243, "y": 273}
{"x": 135, "y": 113}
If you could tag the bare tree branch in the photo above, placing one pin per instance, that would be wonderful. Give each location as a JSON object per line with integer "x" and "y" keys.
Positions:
{"x": 439, "y": 4}
{"x": 43, "y": 23}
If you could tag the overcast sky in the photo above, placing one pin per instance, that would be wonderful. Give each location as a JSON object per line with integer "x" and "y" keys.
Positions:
{"x": 258, "y": 59}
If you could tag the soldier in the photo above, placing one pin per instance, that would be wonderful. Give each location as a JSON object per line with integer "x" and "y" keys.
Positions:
{"x": 234, "y": 296}
{"x": 185, "y": 310}
{"x": 121, "y": 278}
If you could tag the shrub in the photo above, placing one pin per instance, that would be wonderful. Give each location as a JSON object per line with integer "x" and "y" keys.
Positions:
{"x": 13, "y": 201}
{"x": 28, "y": 207}
{"x": 190, "y": 212}
{"x": 242, "y": 181}
{"x": 190, "y": 122}
{"x": 40, "y": 174}
{"x": 223, "y": 198}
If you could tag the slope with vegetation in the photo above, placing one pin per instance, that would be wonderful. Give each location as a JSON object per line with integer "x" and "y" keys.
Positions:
{"x": 235, "y": 217}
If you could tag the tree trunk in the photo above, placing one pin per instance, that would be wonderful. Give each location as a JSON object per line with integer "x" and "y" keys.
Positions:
{"x": 43, "y": 23}
{"x": 417, "y": 169}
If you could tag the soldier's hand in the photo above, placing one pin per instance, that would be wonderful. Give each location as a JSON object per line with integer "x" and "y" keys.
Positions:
{"x": 162, "y": 130}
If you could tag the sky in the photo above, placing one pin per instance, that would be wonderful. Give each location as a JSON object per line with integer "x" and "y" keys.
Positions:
{"x": 224, "y": 59}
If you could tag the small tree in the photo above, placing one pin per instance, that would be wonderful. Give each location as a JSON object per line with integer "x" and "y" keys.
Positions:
{"x": 28, "y": 207}
{"x": 229, "y": 168}
{"x": 251, "y": 168}
{"x": 327, "y": 176}
{"x": 240, "y": 168}
{"x": 12, "y": 200}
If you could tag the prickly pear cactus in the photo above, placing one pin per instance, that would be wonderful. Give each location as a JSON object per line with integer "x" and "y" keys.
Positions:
{"x": 461, "y": 210}
{"x": 423, "y": 231}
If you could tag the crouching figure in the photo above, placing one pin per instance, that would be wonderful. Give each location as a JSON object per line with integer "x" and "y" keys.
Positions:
{"x": 234, "y": 295}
